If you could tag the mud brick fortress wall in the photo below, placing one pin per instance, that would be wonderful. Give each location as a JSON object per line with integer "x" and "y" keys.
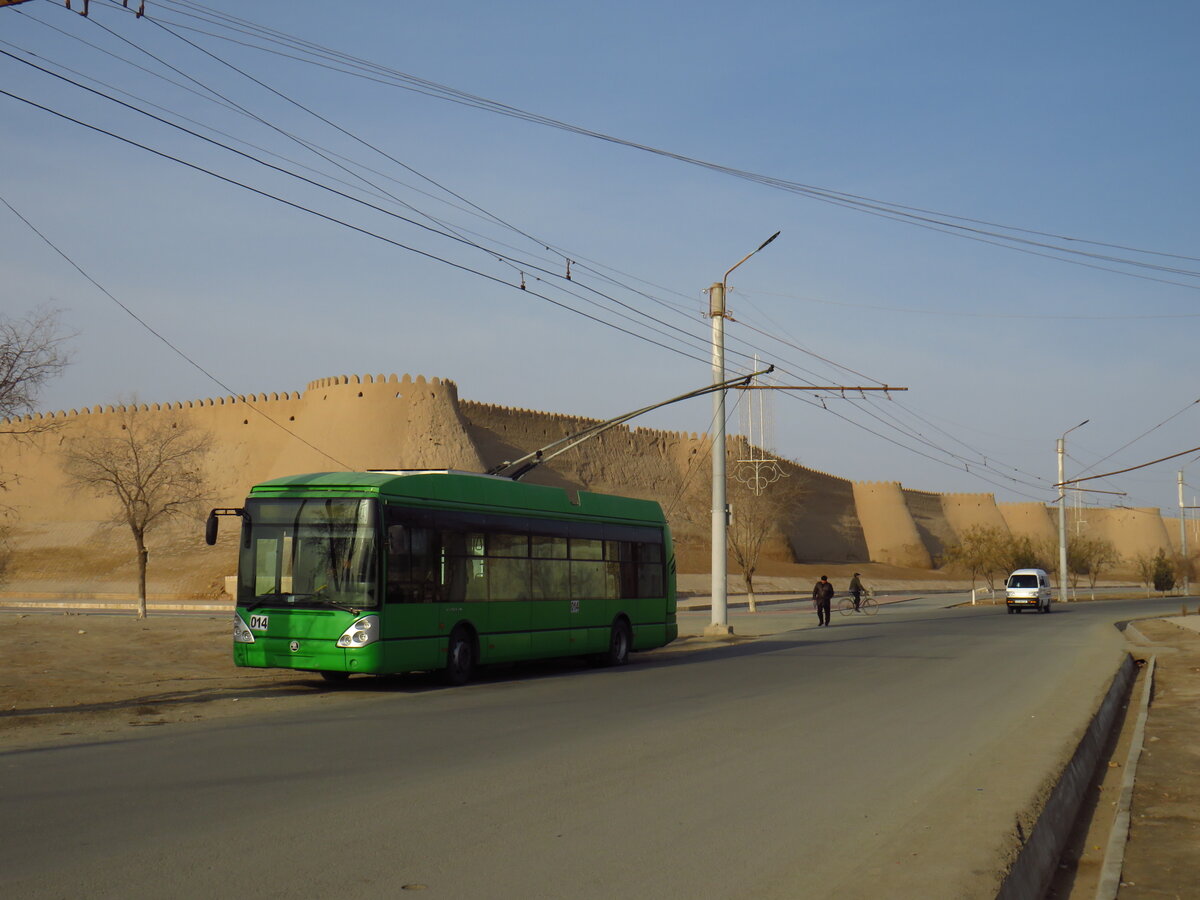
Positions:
{"x": 62, "y": 540}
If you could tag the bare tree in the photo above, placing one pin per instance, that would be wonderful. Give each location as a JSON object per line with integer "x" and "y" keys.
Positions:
{"x": 152, "y": 469}
{"x": 982, "y": 550}
{"x": 1143, "y": 563}
{"x": 755, "y": 516}
{"x": 31, "y": 354}
{"x": 1090, "y": 556}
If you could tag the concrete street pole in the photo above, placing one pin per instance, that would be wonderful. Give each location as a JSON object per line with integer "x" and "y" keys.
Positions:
{"x": 720, "y": 507}
{"x": 1183, "y": 551}
{"x": 720, "y": 580}
{"x": 1062, "y": 526}
{"x": 1062, "y": 513}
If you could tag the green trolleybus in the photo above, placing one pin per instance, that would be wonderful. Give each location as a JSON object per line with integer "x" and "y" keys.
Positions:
{"x": 386, "y": 572}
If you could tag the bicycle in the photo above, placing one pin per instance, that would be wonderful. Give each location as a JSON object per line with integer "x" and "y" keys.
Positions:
{"x": 866, "y": 605}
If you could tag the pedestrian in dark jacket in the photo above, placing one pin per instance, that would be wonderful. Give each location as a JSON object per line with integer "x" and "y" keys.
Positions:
{"x": 822, "y": 599}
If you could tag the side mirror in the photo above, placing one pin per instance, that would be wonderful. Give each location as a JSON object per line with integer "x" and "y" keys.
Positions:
{"x": 210, "y": 526}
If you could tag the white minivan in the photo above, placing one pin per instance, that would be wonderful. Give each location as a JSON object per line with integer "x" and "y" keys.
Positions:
{"x": 1027, "y": 589}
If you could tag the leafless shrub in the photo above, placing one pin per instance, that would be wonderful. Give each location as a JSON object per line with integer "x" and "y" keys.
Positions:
{"x": 152, "y": 469}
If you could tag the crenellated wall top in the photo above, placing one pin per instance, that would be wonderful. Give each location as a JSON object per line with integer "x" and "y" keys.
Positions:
{"x": 229, "y": 400}
{"x": 340, "y": 380}
{"x": 100, "y": 410}
{"x": 522, "y": 411}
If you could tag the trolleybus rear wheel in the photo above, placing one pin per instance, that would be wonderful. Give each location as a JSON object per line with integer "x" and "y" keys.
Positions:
{"x": 619, "y": 641}
{"x": 460, "y": 657}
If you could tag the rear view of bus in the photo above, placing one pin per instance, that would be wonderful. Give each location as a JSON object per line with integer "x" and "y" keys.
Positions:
{"x": 386, "y": 572}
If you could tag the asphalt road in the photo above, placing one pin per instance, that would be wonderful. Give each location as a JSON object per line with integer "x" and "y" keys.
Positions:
{"x": 890, "y": 756}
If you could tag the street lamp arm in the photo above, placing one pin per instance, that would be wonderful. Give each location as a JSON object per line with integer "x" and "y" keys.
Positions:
{"x": 747, "y": 256}
{"x": 1080, "y": 425}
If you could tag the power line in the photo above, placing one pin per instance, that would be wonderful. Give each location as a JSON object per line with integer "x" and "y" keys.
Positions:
{"x": 972, "y": 314}
{"x": 976, "y": 229}
{"x": 563, "y": 254}
{"x": 1145, "y": 465}
{"x": 1148, "y": 431}
{"x": 518, "y": 264}
{"x": 904, "y": 429}
{"x": 178, "y": 352}
{"x": 426, "y": 254}
{"x": 333, "y": 219}
{"x": 965, "y": 464}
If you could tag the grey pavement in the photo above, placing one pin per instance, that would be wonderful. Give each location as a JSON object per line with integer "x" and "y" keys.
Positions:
{"x": 789, "y": 612}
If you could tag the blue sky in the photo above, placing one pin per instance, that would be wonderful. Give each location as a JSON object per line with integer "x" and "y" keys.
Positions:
{"x": 1072, "y": 119}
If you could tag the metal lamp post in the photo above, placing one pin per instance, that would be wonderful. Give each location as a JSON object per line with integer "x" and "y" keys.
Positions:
{"x": 720, "y": 516}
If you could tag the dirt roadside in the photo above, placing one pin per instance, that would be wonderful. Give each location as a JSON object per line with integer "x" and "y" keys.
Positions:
{"x": 1164, "y": 831}
{"x": 73, "y": 678}
{"x": 76, "y": 678}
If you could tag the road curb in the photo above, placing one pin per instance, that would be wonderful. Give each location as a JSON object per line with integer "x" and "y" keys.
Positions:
{"x": 1118, "y": 838}
{"x": 114, "y": 606}
{"x": 1035, "y": 865}
{"x": 741, "y": 604}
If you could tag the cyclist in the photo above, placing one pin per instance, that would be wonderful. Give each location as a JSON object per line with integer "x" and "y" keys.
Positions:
{"x": 856, "y": 590}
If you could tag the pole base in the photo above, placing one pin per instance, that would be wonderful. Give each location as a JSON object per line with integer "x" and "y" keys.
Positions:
{"x": 715, "y": 630}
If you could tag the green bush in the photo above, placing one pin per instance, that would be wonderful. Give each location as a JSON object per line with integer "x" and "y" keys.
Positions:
{"x": 1164, "y": 573}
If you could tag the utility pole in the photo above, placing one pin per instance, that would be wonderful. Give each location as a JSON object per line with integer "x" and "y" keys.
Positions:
{"x": 1183, "y": 550}
{"x": 1062, "y": 513}
{"x": 720, "y": 504}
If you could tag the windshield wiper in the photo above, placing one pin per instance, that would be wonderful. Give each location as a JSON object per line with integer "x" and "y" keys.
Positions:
{"x": 263, "y": 599}
{"x": 328, "y": 602}
{"x": 291, "y": 599}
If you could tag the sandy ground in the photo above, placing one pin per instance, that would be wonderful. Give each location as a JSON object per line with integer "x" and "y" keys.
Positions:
{"x": 72, "y": 678}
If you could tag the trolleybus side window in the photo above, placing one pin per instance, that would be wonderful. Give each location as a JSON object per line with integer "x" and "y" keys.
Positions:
{"x": 585, "y": 548}
{"x": 457, "y": 557}
{"x": 412, "y": 559}
{"x": 650, "y": 570}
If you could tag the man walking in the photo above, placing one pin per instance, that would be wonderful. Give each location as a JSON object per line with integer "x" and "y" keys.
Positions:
{"x": 822, "y": 599}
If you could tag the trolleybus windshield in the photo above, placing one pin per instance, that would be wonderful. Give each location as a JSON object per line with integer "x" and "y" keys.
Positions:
{"x": 310, "y": 553}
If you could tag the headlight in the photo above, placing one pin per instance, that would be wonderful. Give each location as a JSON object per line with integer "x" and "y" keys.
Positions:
{"x": 362, "y": 632}
{"x": 241, "y": 633}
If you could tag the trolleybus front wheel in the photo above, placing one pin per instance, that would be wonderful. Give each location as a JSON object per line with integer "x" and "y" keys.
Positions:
{"x": 335, "y": 677}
